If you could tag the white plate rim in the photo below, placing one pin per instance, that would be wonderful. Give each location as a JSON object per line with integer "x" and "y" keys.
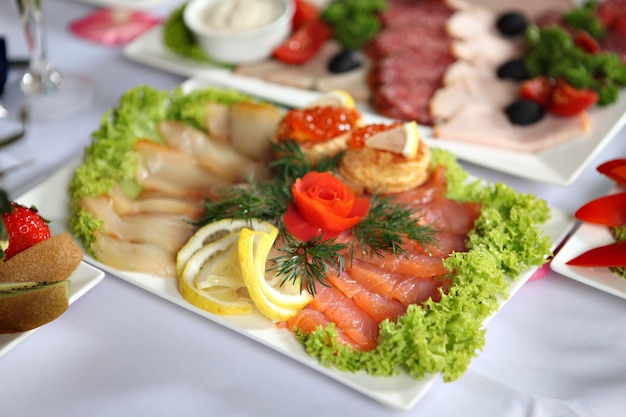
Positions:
{"x": 547, "y": 166}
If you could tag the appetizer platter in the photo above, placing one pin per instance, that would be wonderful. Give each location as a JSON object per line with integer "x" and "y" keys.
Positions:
{"x": 541, "y": 163}
{"x": 178, "y": 262}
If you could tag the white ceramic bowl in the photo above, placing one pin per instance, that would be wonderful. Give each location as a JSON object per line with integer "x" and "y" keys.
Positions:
{"x": 241, "y": 45}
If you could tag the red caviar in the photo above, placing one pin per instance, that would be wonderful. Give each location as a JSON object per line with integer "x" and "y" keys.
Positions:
{"x": 317, "y": 124}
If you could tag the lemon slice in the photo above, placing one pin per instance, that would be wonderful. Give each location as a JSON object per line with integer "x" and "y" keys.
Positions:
{"x": 210, "y": 233}
{"x": 211, "y": 278}
{"x": 277, "y": 300}
{"x": 403, "y": 139}
{"x": 334, "y": 98}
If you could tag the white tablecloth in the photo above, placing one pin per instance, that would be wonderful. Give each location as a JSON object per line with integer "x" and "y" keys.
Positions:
{"x": 558, "y": 348}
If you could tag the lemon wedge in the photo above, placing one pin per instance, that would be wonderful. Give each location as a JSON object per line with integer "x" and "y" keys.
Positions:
{"x": 334, "y": 98}
{"x": 211, "y": 278}
{"x": 274, "y": 298}
{"x": 210, "y": 233}
{"x": 403, "y": 139}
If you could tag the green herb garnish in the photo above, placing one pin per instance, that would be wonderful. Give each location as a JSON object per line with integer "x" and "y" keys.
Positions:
{"x": 552, "y": 52}
{"x": 585, "y": 18}
{"x": 387, "y": 225}
{"x": 310, "y": 262}
{"x": 354, "y": 22}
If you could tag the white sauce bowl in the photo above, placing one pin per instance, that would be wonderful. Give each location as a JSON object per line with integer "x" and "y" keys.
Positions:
{"x": 236, "y": 46}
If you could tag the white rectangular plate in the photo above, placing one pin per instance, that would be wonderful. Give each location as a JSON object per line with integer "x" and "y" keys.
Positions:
{"x": 84, "y": 278}
{"x": 547, "y": 166}
{"x": 400, "y": 392}
{"x": 588, "y": 236}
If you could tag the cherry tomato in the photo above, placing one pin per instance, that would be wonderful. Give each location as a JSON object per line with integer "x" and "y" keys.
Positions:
{"x": 304, "y": 43}
{"x": 566, "y": 100}
{"x": 587, "y": 42}
{"x": 537, "y": 89}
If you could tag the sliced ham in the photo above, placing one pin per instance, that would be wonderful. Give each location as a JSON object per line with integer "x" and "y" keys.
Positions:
{"x": 486, "y": 89}
{"x": 485, "y": 125}
{"x": 470, "y": 22}
{"x": 486, "y": 49}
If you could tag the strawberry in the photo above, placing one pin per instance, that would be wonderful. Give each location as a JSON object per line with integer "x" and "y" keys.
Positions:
{"x": 24, "y": 227}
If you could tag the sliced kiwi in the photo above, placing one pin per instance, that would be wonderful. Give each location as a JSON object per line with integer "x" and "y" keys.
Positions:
{"x": 16, "y": 286}
{"x": 29, "y": 308}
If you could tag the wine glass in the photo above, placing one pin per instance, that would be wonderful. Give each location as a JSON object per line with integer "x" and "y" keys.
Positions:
{"x": 43, "y": 90}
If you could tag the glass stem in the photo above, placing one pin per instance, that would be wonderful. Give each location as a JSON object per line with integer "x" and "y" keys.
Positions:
{"x": 41, "y": 77}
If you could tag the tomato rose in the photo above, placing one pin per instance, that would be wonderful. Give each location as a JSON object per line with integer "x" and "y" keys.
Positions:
{"x": 326, "y": 204}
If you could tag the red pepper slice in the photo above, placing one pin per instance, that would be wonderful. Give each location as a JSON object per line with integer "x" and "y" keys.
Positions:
{"x": 609, "y": 210}
{"x": 608, "y": 256}
{"x": 614, "y": 169}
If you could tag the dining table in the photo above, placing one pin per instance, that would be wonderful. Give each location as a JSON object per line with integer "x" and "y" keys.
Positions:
{"x": 557, "y": 348}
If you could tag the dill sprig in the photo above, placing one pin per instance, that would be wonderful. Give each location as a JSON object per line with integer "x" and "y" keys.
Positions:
{"x": 254, "y": 200}
{"x": 309, "y": 261}
{"x": 293, "y": 164}
{"x": 388, "y": 224}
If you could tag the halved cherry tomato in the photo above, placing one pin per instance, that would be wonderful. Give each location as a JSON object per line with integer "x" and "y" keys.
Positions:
{"x": 566, "y": 100}
{"x": 537, "y": 89}
{"x": 304, "y": 12}
{"x": 609, "y": 210}
{"x": 615, "y": 170}
{"x": 609, "y": 256}
{"x": 304, "y": 43}
{"x": 586, "y": 42}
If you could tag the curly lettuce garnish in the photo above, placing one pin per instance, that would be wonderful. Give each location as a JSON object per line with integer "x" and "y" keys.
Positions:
{"x": 444, "y": 336}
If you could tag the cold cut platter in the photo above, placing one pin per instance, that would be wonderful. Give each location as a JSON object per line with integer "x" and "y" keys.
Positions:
{"x": 534, "y": 151}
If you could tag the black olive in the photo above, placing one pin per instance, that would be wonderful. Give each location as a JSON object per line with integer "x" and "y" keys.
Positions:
{"x": 344, "y": 61}
{"x": 511, "y": 23}
{"x": 514, "y": 69}
{"x": 524, "y": 112}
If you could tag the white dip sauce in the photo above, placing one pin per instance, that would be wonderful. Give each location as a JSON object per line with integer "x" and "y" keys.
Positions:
{"x": 240, "y": 15}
